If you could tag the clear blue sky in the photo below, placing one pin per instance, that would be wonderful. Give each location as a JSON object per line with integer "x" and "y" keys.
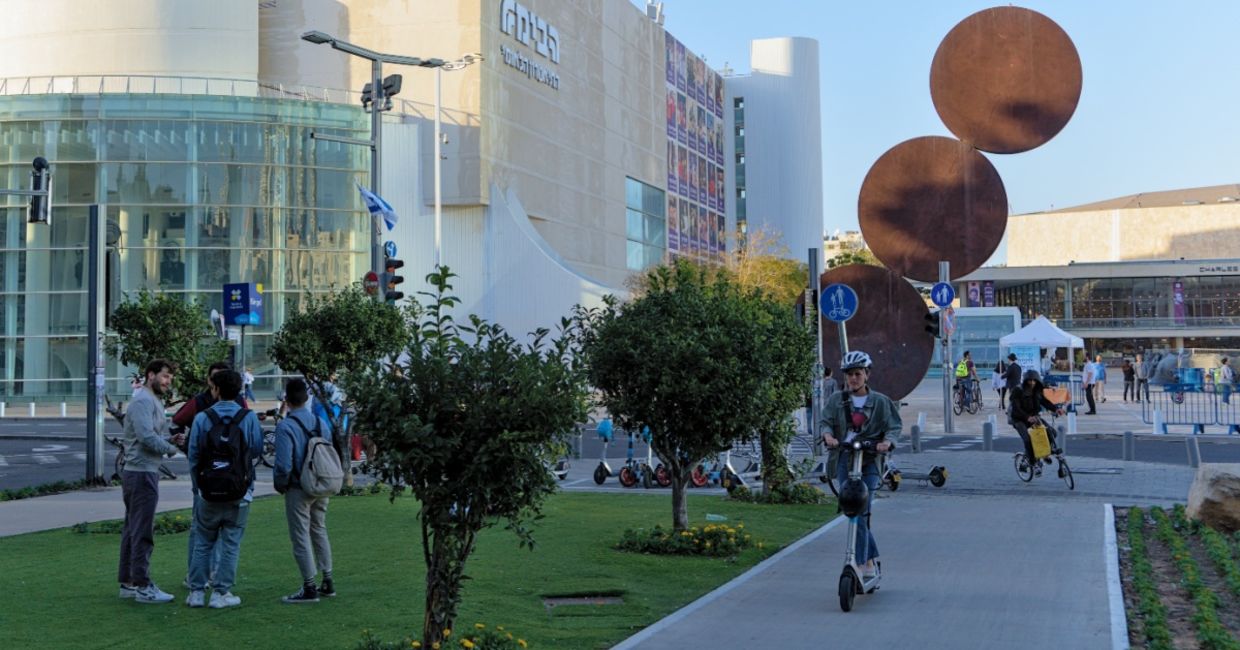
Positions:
{"x": 1159, "y": 107}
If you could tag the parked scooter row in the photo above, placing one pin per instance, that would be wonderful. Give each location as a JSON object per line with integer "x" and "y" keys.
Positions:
{"x": 720, "y": 473}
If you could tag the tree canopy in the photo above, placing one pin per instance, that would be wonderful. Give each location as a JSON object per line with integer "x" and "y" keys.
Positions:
{"x": 165, "y": 326}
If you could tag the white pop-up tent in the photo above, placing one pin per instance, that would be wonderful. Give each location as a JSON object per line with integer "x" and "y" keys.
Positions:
{"x": 1044, "y": 334}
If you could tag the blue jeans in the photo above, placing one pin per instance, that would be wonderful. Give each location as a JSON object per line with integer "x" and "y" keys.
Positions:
{"x": 193, "y": 540}
{"x": 865, "y": 549}
{"x": 217, "y": 525}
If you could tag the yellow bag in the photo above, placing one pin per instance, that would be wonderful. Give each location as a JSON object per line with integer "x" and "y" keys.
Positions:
{"x": 1041, "y": 443}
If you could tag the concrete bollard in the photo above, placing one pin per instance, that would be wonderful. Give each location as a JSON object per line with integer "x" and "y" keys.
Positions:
{"x": 1072, "y": 422}
{"x": 921, "y": 420}
{"x": 1159, "y": 427}
{"x": 32, "y": 409}
{"x": 988, "y": 436}
{"x": 1194, "y": 451}
{"x": 1130, "y": 446}
{"x": 63, "y": 410}
{"x": 2, "y": 406}
{"x": 915, "y": 435}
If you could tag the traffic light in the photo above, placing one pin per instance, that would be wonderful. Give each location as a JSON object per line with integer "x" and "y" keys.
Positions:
{"x": 391, "y": 280}
{"x": 933, "y": 324}
{"x": 40, "y": 180}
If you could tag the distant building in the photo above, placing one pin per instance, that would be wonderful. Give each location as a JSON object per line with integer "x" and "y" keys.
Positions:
{"x": 841, "y": 242}
{"x": 1191, "y": 224}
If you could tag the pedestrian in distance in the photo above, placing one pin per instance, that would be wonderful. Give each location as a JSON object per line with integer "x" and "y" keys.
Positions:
{"x": 1011, "y": 377}
{"x": 1141, "y": 371}
{"x": 1130, "y": 379}
{"x": 829, "y": 385}
{"x": 224, "y": 443}
{"x": 247, "y": 382}
{"x": 146, "y": 442}
{"x": 1227, "y": 384}
{"x": 1089, "y": 376}
{"x": 305, "y": 512}
{"x": 1100, "y": 378}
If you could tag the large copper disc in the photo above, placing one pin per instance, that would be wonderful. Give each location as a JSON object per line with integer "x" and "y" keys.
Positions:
{"x": 889, "y": 325}
{"x": 930, "y": 199}
{"x": 1006, "y": 79}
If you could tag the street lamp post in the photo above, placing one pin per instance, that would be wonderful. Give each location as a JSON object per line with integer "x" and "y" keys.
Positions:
{"x": 463, "y": 62}
{"x": 378, "y": 101}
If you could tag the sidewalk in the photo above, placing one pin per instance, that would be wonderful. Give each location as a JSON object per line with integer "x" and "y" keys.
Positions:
{"x": 99, "y": 504}
{"x": 986, "y": 561}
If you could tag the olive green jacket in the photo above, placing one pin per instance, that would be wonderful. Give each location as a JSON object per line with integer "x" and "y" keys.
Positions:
{"x": 882, "y": 422}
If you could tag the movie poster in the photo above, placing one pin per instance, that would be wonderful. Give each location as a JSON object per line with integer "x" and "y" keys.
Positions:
{"x": 692, "y": 80}
{"x": 686, "y": 225}
{"x": 988, "y": 293}
{"x": 671, "y": 166}
{"x": 680, "y": 66}
{"x": 701, "y": 86}
{"x": 975, "y": 295}
{"x": 719, "y": 143}
{"x": 673, "y": 224}
{"x": 712, "y": 234}
{"x": 1178, "y": 307}
{"x": 693, "y": 127}
{"x": 718, "y": 94}
{"x": 721, "y": 227}
{"x": 701, "y": 130}
{"x": 712, "y": 191}
{"x": 703, "y": 172}
{"x": 720, "y": 191}
{"x": 671, "y": 113}
{"x": 703, "y": 232}
{"x": 710, "y": 136}
{"x": 710, "y": 92}
{"x": 682, "y": 171}
{"x": 693, "y": 177}
{"x": 682, "y": 128}
{"x": 670, "y": 50}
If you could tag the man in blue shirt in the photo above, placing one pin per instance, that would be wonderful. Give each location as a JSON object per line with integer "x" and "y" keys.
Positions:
{"x": 307, "y": 515}
{"x": 221, "y": 523}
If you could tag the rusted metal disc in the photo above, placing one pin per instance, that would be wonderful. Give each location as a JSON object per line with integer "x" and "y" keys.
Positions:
{"x": 1006, "y": 79}
{"x": 889, "y": 325}
{"x": 930, "y": 199}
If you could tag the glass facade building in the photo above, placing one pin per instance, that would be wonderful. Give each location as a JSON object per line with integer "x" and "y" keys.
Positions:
{"x": 1129, "y": 302}
{"x": 199, "y": 191}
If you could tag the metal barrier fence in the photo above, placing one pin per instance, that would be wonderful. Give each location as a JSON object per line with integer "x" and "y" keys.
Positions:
{"x": 1189, "y": 404}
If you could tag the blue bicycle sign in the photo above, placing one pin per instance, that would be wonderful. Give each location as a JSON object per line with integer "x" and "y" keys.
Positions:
{"x": 838, "y": 302}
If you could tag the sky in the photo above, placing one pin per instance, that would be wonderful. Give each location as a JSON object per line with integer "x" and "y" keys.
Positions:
{"x": 1158, "y": 109}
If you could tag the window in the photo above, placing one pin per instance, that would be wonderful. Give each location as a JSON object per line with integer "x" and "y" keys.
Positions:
{"x": 645, "y": 224}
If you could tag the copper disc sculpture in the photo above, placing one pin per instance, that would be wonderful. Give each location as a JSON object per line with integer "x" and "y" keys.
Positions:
{"x": 888, "y": 326}
{"x": 1006, "y": 80}
{"x": 930, "y": 199}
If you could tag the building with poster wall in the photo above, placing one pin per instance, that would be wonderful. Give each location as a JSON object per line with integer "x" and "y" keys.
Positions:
{"x": 567, "y": 163}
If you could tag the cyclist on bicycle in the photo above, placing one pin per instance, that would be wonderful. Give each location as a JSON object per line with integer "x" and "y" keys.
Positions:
{"x": 966, "y": 378}
{"x": 858, "y": 413}
{"x": 1026, "y": 404}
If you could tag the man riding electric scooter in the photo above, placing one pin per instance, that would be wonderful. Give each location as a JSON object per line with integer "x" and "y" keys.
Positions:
{"x": 859, "y": 414}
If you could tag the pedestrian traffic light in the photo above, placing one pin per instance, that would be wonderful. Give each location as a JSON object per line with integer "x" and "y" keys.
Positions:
{"x": 933, "y": 323}
{"x": 40, "y": 205}
{"x": 391, "y": 280}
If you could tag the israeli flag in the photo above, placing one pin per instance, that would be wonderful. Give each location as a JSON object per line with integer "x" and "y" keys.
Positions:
{"x": 377, "y": 205}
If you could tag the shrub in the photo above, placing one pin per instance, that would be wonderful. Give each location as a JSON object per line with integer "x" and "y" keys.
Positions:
{"x": 793, "y": 493}
{"x": 165, "y": 524}
{"x": 711, "y": 540}
{"x": 42, "y": 490}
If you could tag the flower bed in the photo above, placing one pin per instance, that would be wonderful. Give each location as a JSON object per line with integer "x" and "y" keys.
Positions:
{"x": 711, "y": 540}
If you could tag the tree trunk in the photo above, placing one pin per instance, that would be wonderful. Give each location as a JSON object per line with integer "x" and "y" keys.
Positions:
{"x": 680, "y": 509}
{"x": 442, "y": 591}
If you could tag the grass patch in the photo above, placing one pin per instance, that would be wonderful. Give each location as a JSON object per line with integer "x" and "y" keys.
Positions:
{"x": 43, "y": 490}
{"x": 61, "y": 587}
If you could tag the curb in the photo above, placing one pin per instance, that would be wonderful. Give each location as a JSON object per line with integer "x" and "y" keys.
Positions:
{"x": 32, "y": 436}
{"x": 1115, "y": 593}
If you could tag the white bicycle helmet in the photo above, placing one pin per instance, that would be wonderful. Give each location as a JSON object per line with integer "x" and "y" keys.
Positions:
{"x": 855, "y": 359}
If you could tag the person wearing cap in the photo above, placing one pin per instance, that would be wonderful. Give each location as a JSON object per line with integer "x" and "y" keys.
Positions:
{"x": 858, "y": 413}
{"x": 1027, "y": 403}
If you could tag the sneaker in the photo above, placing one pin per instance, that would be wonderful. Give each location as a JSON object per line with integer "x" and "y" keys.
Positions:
{"x": 869, "y": 573}
{"x": 196, "y": 598}
{"x": 185, "y": 583}
{"x": 1061, "y": 472}
{"x": 220, "y": 601}
{"x": 152, "y": 594}
{"x": 307, "y": 594}
{"x": 327, "y": 589}
{"x": 1037, "y": 469}
{"x": 128, "y": 590}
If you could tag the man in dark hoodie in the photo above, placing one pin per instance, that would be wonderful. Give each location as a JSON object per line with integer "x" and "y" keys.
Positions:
{"x": 1027, "y": 403}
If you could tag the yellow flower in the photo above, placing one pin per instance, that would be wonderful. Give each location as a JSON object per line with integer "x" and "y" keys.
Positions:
{"x": 740, "y": 525}
{"x": 435, "y": 646}
{"x": 466, "y": 643}
{"x": 522, "y": 643}
{"x": 480, "y": 626}
{"x": 447, "y": 633}
{"x": 500, "y": 628}
{"x": 707, "y": 544}
{"x": 509, "y": 635}
{"x": 759, "y": 545}
{"x": 415, "y": 644}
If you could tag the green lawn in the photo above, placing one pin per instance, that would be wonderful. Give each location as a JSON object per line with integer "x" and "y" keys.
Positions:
{"x": 60, "y": 589}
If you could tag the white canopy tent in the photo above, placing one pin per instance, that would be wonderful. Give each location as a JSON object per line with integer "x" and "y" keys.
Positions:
{"x": 1045, "y": 334}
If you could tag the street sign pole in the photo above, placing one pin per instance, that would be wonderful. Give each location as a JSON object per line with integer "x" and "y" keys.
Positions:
{"x": 839, "y": 303}
{"x": 95, "y": 383}
{"x": 945, "y": 276}
{"x": 816, "y": 398}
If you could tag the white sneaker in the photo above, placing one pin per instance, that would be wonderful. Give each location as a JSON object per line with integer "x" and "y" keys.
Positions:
{"x": 128, "y": 590}
{"x": 152, "y": 594}
{"x": 196, "y": 598}
{"x": 220, "y": 601}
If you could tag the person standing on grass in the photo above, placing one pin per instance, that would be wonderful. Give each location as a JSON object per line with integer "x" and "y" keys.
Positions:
{"x": 146, "y": 430}
{"x": 306, "y": 515}
{"x": 221, "y": 522}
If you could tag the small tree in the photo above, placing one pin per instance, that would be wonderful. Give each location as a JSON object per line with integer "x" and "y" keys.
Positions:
{"x": 854, "y": 256}
{"x": 467, "y": 420}
{"x": 763, "y": 263}
{"x": 789, "y": 346}
{"x": 164, "y": 326}
{"x": 692, "y": 358}
{"x": 342, "y": 331}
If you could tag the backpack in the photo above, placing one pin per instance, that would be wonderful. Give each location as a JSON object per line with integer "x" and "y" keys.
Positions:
{"x": 224, "y": 470}
{"x": 321, "y": 473}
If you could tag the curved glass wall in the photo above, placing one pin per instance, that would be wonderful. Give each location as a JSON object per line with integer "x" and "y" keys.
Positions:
{"x": 199, "y": 191}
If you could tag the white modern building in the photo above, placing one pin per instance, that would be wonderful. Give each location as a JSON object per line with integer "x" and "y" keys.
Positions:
{"x": 587, "y": 144}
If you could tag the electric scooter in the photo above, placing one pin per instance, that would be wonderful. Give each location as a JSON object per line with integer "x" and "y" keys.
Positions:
{"x": 635, "y": 471}
{"x": 603, "y": 471}
{"x": 854, "y": 495}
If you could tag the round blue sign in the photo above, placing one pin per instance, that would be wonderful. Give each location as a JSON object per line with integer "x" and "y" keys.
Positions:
{"x": 389, "y": 248}
{"x": 942, "y": 294}
{"x": 838, "y": 302}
